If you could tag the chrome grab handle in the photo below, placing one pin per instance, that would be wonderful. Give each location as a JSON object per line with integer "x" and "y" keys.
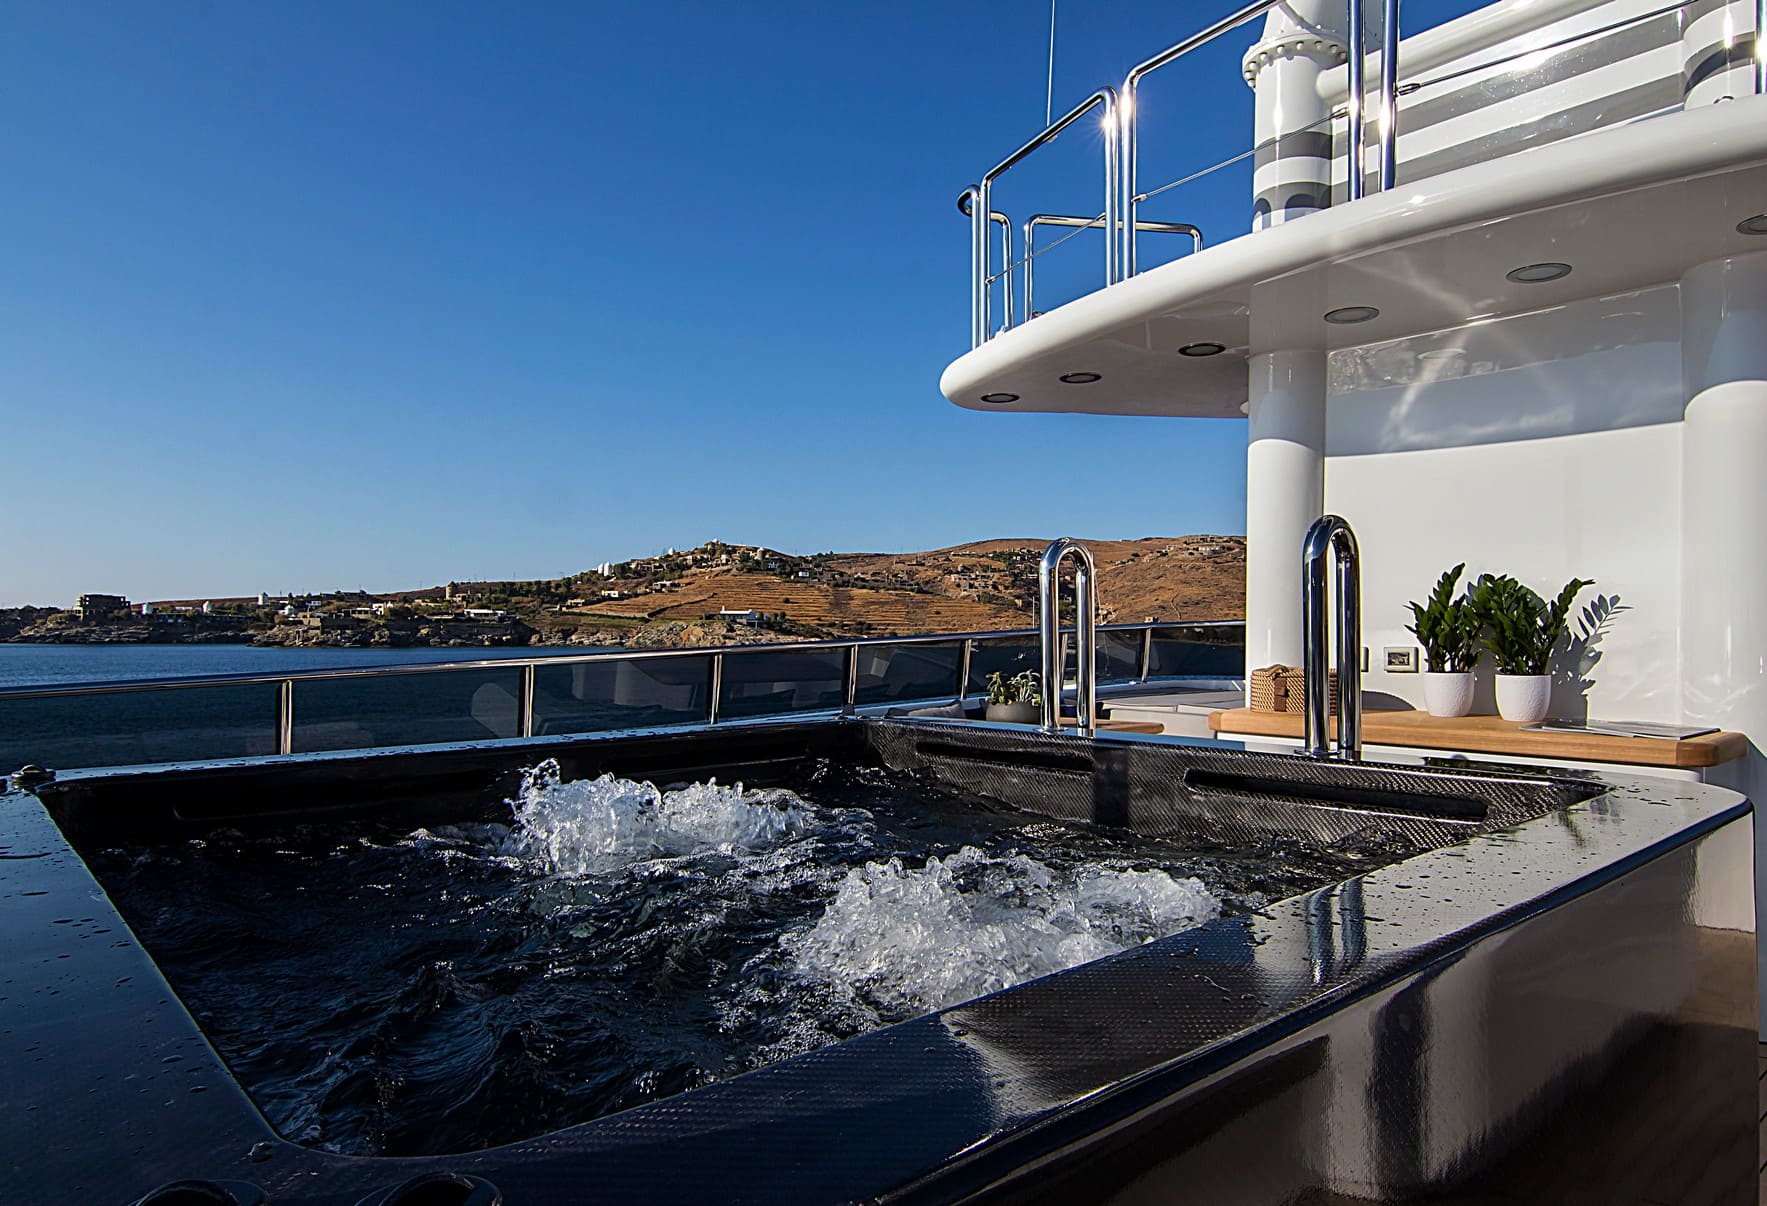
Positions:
{"x": 1331, "y": 537}
{"x": 1085, "y": 634}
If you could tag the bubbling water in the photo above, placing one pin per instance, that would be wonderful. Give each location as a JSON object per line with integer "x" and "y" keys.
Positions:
{"x": 590, "y": 826}
{"x": 384, "y": 991}
{"x": 906, "y": 940}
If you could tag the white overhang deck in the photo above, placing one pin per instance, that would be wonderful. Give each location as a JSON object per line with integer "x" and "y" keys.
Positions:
{"x": 1628, "y": 207}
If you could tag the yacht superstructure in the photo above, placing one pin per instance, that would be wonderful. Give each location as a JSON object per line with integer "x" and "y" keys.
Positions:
{"x": 1502, "y": 299}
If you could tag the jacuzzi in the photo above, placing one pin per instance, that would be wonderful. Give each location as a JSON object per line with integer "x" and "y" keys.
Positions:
{"x": 1544, "y": 993}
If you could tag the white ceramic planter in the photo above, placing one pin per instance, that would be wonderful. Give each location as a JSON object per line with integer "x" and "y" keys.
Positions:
{"x": 1523, "y": 698}
{"x": 1448, "y": 694}
{"x": 1015, "y": 713}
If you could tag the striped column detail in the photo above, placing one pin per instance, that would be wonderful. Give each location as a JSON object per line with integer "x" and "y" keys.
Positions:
{"x": 1717, "y": 51}
{"x": 1291, "y": 177}
{"x": 1291, "y": 162}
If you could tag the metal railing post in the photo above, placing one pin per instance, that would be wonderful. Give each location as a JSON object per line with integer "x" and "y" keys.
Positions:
{"x": 1113, "y": 190}
{"x": 1357, "y": 68}
{"x": 527, "y": 704}
{"x": 1146, "y": 651}
{"x": 967, "y": 651}
{"x": 285, "y": 716}
{"x": 714, "y": 687}
{"x": 978, "y": 258}
{"x": 1005, "y": 224}
{"x": 1130, "y": 150}
{"x": 1389, "y": 95}
{"x": 852, "y": 676}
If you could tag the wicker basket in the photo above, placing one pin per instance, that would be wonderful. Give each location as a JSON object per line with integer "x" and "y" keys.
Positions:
{"x": 1283, "y": 689}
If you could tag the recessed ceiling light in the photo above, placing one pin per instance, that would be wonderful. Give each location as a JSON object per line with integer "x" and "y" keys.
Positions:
{"x": 1205, "y": 348}
{"x": 1345, "y": 315}
{"x": 1000, "y": 399}
{"x": 1538, "y": 274}
{"x": 1079, "y": 378}
{"x": 1756, "y": 225}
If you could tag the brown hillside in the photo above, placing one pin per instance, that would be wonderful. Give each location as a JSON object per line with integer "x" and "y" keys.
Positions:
{"x": 986, "y": 585}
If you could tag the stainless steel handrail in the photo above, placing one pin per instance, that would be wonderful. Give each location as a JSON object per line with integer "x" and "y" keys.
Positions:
{"x": 976, "y": 201}
{"x": 1131, "y": 85}
{"x": 1122, "y": 152}
{"x": 282, "y": 714}
{"x": 1357, "y": 133}
{"x": 1354, "y": 176}
{"x": 1069, "y": 221}
{"x": 564, "y": 659}
{"x": 1331, "y": 537}
{"x": 1085, "y": 633}
{"x": 1389, "y": 95}
{"x": 965, "y": 200}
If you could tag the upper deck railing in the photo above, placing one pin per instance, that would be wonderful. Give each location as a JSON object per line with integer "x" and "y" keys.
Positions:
{"x": 1512, "y": 50}
{"x": 250, "y": 715}
{"x": 1122, "y": 198}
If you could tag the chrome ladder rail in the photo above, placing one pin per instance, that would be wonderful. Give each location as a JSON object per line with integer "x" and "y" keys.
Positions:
{"x": 1330, "y": 536}
{"x": 1085, "y": 634}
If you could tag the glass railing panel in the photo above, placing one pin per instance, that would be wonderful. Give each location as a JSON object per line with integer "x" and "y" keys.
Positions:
{"x": 1213, "y": 652}
{"x": 1007, "y": 655}
{"x": 587, "y": 697}
{"x": 900, "y": 673}
{"x": 412, "y": 708}
{"x": 126, "y": 728}
{"x": 1119, "y": 656}
{"x": 767, "y": 683}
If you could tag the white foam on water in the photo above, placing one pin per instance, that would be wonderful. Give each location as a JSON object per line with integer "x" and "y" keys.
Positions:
{"x": 907, "y": 940}
{"x": 591, "y": 826}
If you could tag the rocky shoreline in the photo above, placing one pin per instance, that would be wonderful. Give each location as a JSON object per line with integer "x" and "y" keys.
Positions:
{"x": 403, "y": 635}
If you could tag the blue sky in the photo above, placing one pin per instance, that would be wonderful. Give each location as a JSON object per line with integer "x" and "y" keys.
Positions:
{"x": 303, "y": 296}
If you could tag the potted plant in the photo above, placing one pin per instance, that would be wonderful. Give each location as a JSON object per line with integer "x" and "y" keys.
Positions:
{"x": 1522, "y": 630}
{"x": 1448, "y": 629}
{"x": 1015, "y": 700}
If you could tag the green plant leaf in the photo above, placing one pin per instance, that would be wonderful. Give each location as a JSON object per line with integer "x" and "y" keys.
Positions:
{"x": 1522, "y": 629}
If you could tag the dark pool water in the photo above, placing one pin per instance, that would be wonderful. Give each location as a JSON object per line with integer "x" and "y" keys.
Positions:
{"x": 396, "y": 992}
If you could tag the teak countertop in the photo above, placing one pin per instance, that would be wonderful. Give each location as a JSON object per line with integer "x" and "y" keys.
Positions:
{"x": 1494, "y": 735}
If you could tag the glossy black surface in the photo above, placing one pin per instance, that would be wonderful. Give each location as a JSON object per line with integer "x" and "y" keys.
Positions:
{"x": 1467, "y": 1024}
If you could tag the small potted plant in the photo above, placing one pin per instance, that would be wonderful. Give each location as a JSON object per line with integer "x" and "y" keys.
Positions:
{"x": 1015, "y": 700}
{"x": 1448, "y": 629}
{"x": 1522, "y": 631}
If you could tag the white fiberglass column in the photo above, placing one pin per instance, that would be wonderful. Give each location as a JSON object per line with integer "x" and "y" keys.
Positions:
{"x": 1724, "y": 517}
{"x": 1717, "y": 51}
{"x": 1285, "y": 493}
{"x": 1291, "y": 173}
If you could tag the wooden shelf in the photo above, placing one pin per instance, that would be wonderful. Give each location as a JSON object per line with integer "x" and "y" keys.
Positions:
{"x": 1494, "y": 735}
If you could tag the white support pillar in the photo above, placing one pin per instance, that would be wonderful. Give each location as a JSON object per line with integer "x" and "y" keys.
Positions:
{"x": 1724, "y": 518}
{"x": 1285, "y": 493}
{"x": 1717, "y": 51}
{"x": 1291, "y": 172}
